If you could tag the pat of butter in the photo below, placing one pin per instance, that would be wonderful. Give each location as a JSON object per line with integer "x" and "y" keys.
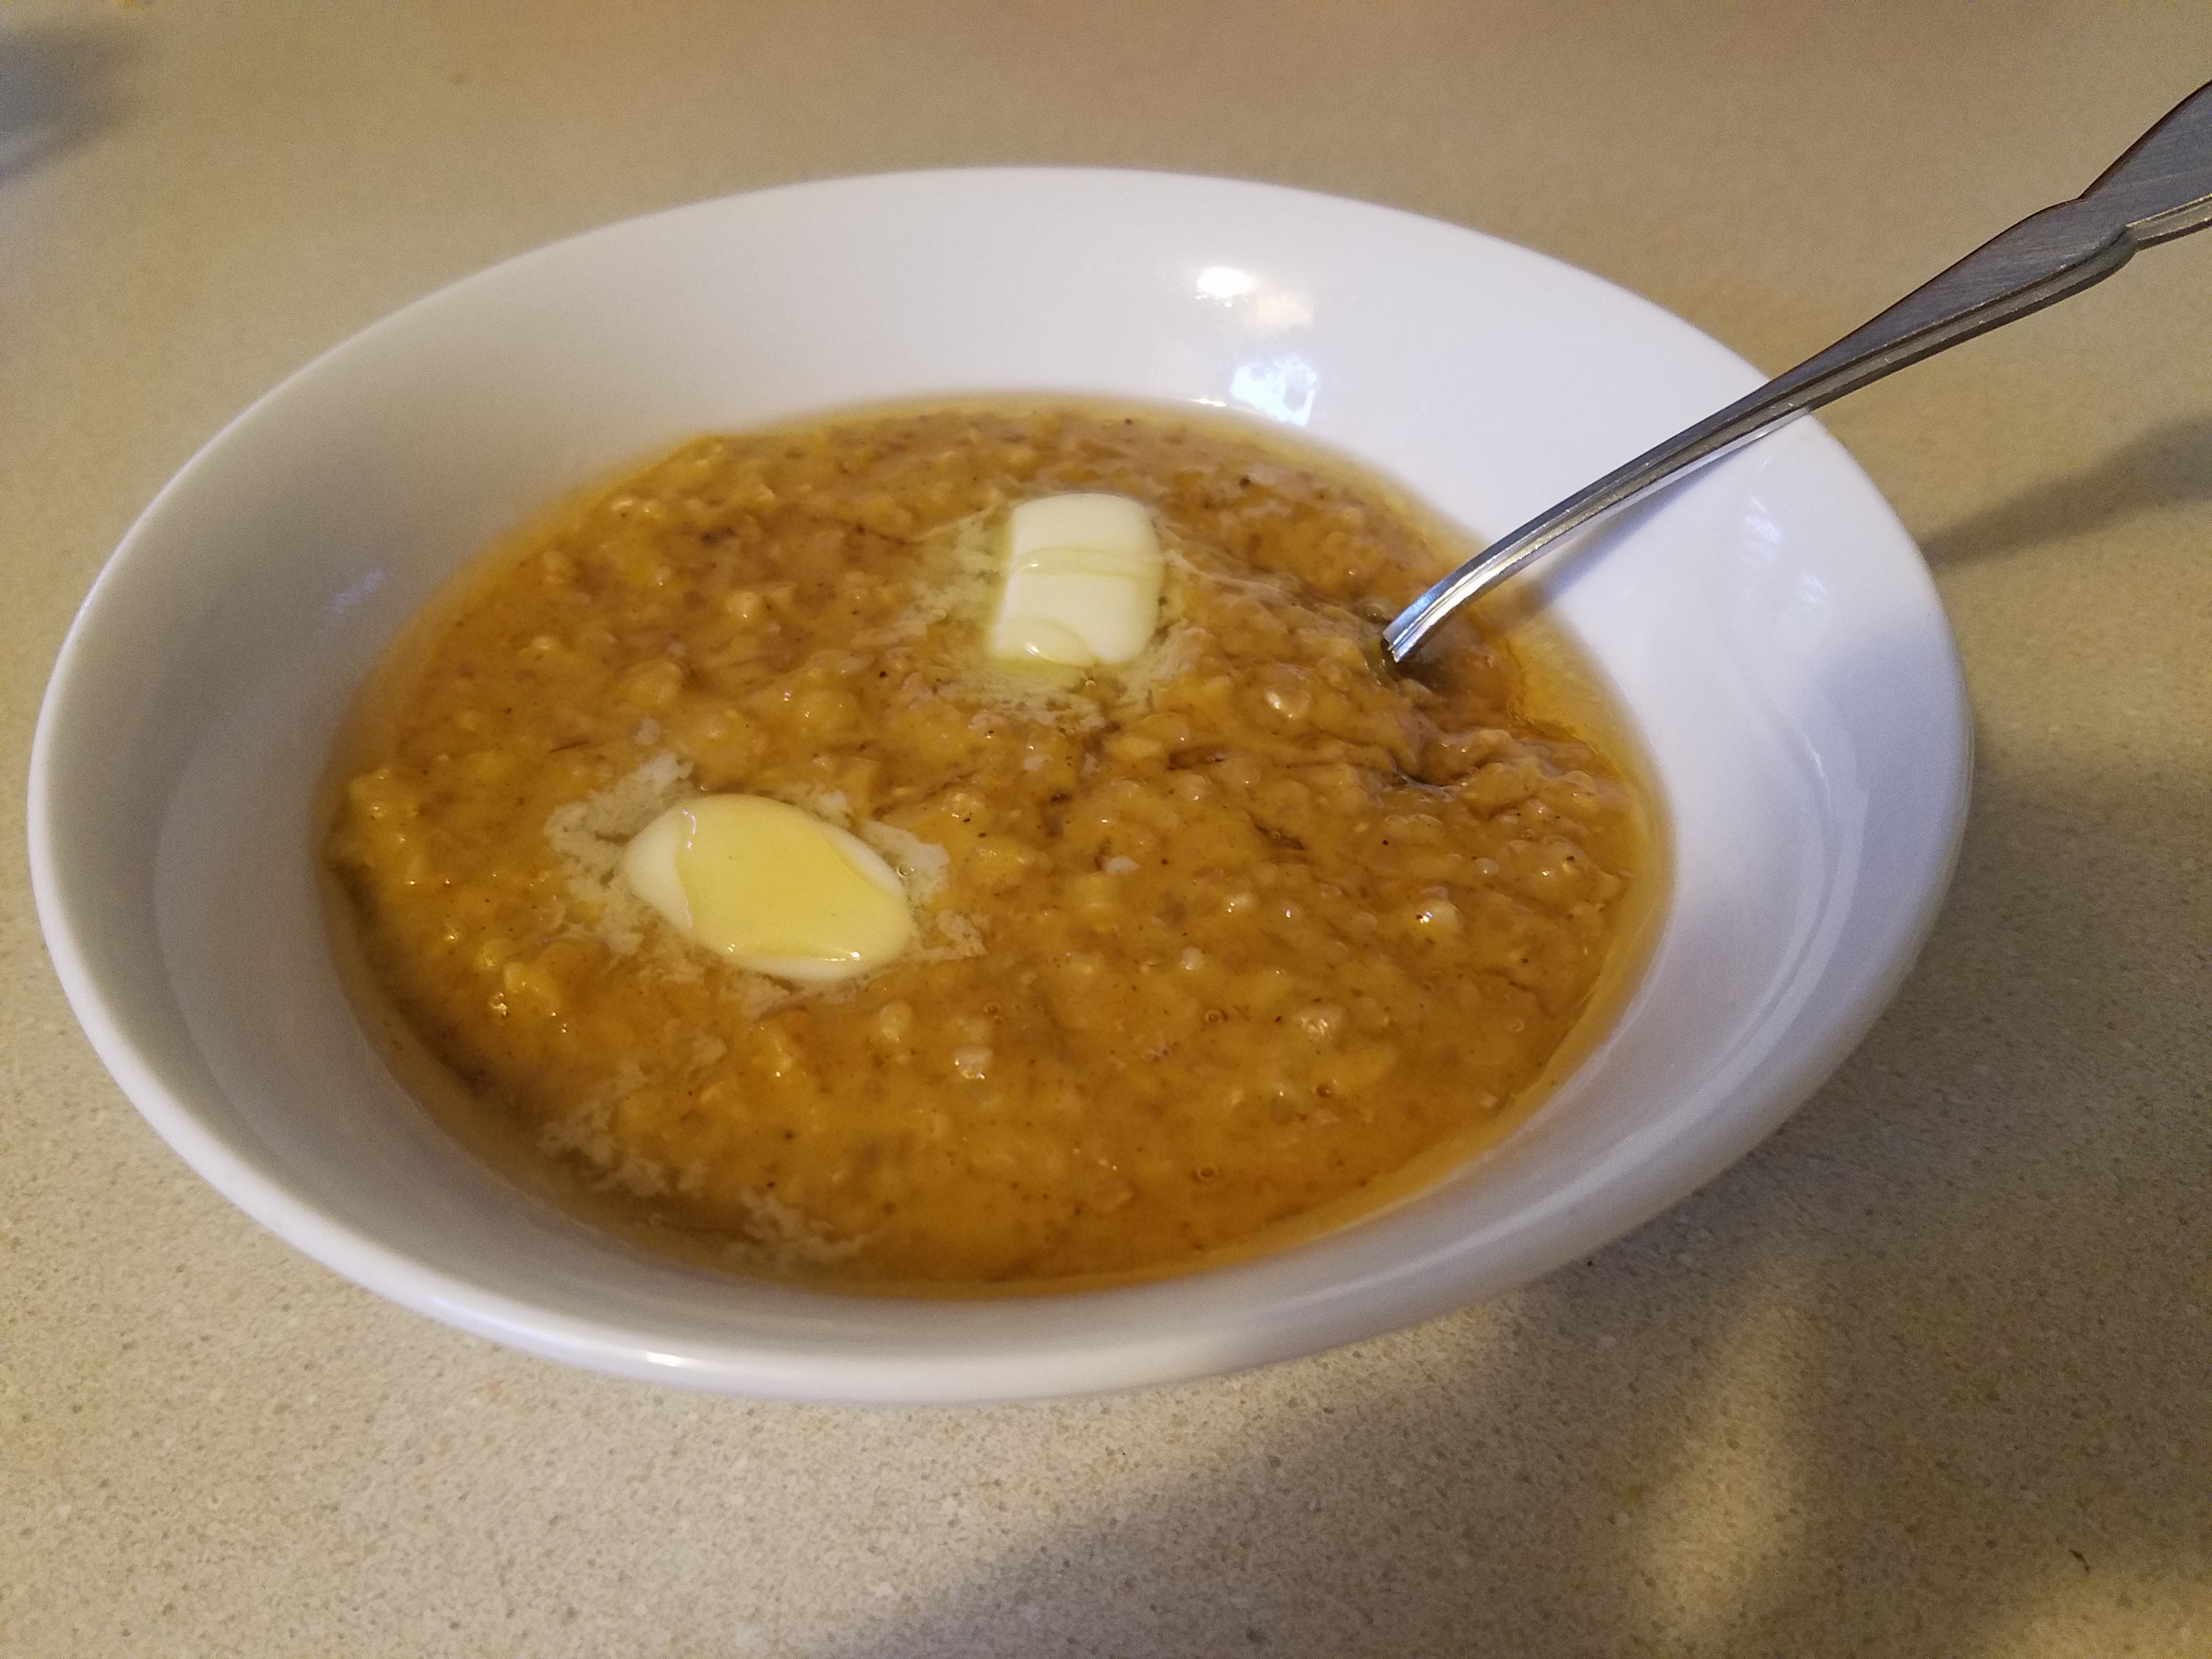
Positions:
{"x": 1083, "y": 582}
{"x": 773, "y": 888}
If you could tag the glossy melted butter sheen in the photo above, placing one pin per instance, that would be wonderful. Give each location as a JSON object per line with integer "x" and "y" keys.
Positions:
{"x": 777, "y": 890}
{"x": 1082, "y": 583}
{"x": 1214, "y": 945}
{"x": 772, "y": 888}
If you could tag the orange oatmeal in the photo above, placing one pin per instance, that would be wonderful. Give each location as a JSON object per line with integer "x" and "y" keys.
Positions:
{"x": 1240, "y": 940}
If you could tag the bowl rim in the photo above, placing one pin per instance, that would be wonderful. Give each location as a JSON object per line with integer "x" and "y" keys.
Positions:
{"x": 1669, "y": 1174}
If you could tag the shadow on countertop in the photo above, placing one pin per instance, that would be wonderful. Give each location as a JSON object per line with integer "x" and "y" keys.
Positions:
{"x": 57, "y": 86}
{"x": 1969, "y": 1408}
{"x": 2165, "y": 467}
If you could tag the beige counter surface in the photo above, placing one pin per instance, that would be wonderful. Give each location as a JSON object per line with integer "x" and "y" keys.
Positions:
{"x": 1930, "y": 1373}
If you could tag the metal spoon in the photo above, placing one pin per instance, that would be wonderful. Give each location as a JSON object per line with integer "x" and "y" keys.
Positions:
{"x": 2161, "y": 189}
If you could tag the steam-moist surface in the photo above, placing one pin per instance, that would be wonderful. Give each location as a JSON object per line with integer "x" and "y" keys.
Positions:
{"x": 1211, "y": 947}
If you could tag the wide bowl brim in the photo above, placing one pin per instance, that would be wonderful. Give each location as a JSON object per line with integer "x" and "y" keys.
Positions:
{"x": 1768, "y": 625}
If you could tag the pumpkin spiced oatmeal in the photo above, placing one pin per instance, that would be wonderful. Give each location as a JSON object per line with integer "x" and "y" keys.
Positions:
{"x": 1203, "y": 951}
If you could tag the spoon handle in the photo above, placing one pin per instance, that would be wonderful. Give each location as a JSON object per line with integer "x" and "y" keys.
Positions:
{"x": 2161, "y": 189}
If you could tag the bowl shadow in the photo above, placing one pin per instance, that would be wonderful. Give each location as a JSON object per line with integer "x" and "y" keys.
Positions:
{"x": 1705, "y": 1440}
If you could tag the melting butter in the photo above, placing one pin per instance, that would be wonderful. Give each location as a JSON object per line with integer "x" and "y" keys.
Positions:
{"x": 771, "y": 887}
{"x": 1083, "y": 582}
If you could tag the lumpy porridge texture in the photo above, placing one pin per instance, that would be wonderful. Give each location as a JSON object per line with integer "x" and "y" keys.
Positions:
{"x": 1209, "y": 948}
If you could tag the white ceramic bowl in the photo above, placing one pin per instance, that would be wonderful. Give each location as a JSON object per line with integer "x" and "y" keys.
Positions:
{"x": 1770, "y": 625}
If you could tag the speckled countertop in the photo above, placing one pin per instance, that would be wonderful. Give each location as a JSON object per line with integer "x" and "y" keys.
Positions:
{"x": 1930, "y": 1373}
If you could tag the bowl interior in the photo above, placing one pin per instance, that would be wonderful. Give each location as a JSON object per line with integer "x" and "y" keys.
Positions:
{"x": 1769, "y": 623}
